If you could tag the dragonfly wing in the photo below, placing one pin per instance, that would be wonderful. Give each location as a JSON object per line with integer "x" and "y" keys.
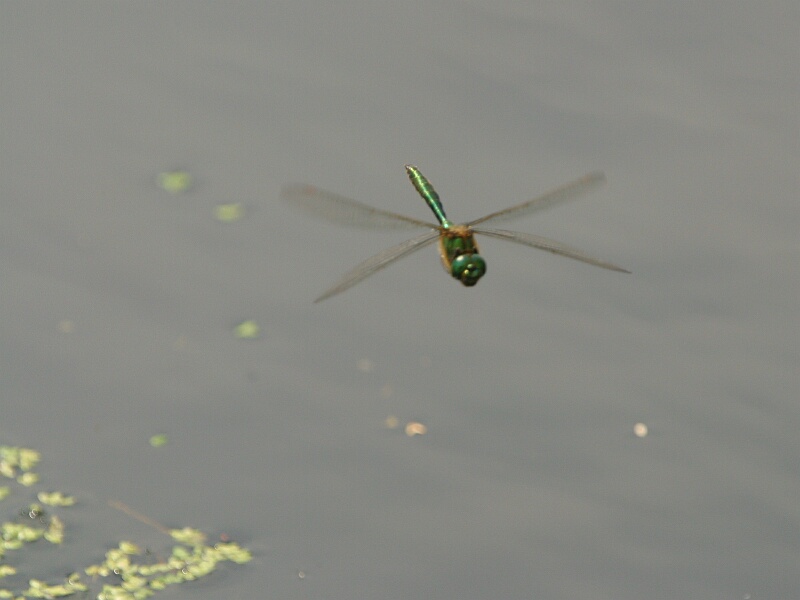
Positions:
{"x": 378, "y": 262}
{"x": 566, "y": 192}
{"x": 534, "y": 241}
{"x": 345, "y": 211}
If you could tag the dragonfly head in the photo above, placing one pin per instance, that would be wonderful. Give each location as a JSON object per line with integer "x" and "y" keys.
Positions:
{"x": 468, "y": 268}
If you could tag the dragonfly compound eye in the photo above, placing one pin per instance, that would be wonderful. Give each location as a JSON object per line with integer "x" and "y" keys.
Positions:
{"x": 468, "y": 268}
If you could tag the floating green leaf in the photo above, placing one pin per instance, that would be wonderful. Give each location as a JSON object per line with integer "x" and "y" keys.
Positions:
{"x": 158, "y": 440}
{"x": 175, "y": 182}
{"x": 247, "y": 330}
{"x": 55, "y": 499}
{"x": 28, "y": 479}
{"x": 228, "y": 213}
{"x": 13, "y": 459}
{"x": 55, "y": 532}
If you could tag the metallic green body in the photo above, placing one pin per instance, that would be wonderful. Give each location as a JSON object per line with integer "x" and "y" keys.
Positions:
{"x": 425, "y": 189}
{"x": 457, "y": 246}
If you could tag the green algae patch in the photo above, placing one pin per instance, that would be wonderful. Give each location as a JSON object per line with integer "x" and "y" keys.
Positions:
{"x": 125, "y": 572}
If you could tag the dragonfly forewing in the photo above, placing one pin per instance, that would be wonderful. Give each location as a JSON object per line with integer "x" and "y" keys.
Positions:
{"x": 345, "y": 211}
{"x": 380, "y": 261}
{"x": 535, "y": 241}
{"x": 570, "y": 191}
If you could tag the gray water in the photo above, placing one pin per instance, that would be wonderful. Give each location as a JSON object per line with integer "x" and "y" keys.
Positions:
{"x": 119, "y": 300}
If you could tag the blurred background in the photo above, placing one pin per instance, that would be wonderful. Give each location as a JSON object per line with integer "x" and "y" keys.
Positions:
{"x": 528, "y": 476}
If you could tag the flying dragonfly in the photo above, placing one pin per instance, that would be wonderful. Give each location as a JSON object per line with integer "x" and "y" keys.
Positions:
{"x": 457, "y": 246}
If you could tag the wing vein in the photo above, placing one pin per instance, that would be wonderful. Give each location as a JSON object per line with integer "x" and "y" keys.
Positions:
{"x": 379, "y": 261}
{"x": 542, "y": 243}
{"x": 345, "y": 211}
{"x": 569, "y": 191}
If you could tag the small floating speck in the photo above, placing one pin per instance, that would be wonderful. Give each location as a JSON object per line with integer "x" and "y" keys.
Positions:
{"x": 391, "y": 422}
{"x": 386, "y": 391}
{"x": 365, "y": 365}
{"x": 174, "y": 182}
{"x": 640, "y": 430}
{"x": 247, "y": 330}
{"x": 158, "y": 440}
{"x": 413, "y": 428}
{"x": 228, "y": 213}
{"x": 66, "y": 326}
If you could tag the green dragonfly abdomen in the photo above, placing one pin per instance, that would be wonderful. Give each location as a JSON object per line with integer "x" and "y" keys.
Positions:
{"x": 425, "y": 189}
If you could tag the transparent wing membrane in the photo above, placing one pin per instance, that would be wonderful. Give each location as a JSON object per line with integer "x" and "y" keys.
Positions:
{"x": 534, "y": 241}
{"x": 345, "y": 211}
{"x": 379, "y": 261}
{"x": 566, "y": 192}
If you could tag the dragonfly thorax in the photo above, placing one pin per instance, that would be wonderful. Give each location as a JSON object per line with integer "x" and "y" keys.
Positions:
{"x": 468, "y": 268}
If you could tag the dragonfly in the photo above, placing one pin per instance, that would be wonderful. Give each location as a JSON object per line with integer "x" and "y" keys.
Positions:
{"x": 457, "y": 247}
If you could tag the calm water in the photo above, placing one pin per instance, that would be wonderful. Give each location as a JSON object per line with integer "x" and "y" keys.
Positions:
{"x": 529, "y": 482}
